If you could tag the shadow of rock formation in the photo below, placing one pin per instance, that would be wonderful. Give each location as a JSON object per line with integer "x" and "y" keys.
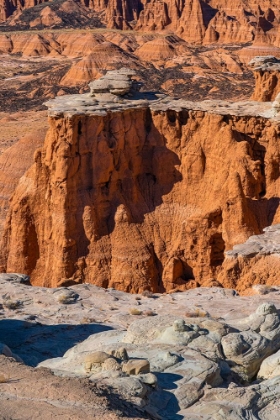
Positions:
{"x": 34, "y": 342}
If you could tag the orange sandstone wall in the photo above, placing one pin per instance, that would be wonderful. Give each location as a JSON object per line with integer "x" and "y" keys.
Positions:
{"x": 142, "y": 199}
{"x": 267, "y": 85}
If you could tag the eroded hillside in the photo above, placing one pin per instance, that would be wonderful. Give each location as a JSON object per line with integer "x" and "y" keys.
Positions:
{"x": 197, "y": 21}
{"x": 137, "y": 195}
{"x": 42, "y": 65}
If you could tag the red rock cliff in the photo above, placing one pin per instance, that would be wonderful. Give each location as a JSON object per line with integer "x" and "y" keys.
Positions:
{"x": 143, "y": 197}
{"x": 267, "y": 77}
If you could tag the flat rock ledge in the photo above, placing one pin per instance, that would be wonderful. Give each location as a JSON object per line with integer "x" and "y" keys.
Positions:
{"x": 267, "y": 243}
{"x": 70, "y": 105}
{"x": 265, "y": 63}
{"x": 117, "y": 91}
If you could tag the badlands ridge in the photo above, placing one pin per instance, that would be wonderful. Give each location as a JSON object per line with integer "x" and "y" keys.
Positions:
{"x": 196, "y": 21}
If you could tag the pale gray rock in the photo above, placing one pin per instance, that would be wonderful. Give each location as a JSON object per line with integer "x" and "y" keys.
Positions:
{"x": 66, "y": 296}
{"x": 6, "y": 351}
{"x": 136, "y": 366}
{"x": 266, "y": 322}
{"x": 105, "y": 101}
{"x": 97, "y": 341}
{"x": 189, "y": 393}
{"x": 174, "y": 336}
{"x": 184, "y": 379}
{"x": 263, "y": 289}
{"x": 15, "y": 277}
{"x": 113, "y": 83}
{"x": 206, "y": 346}
{"x": 253, "y": 403}
{"x": 244, "y": 352}
{"x": 258, "y": 339}
{"x": 147, "y": 378}
{"x": 264, "y": 62}
{"x": 180, "y": 325}
{"x": 267, "y": 243}
{"x": 148, "y": 329}
{"x": 130, "y": 387}
{"x": 111, "y": 364}
{"x": 270, "y": 367}
{"x": 196, "y": 365}
{"x": 162, "y": 360}
{"x": 215, "y": 329}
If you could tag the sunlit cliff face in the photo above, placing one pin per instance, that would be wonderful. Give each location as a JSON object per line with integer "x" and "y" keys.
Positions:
{"x": 141, "y": 197}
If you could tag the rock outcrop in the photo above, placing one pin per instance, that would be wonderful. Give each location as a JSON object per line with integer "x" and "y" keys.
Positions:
{"x": 197, "y": 346}
{"x": 104, "y": 56}
{"x": 116, "y": 196}
{"x": 254, "y": 262}
{"x": 267, "y": 76}
{"x": 114, "y": 85}
{"x": 37, "y": 392}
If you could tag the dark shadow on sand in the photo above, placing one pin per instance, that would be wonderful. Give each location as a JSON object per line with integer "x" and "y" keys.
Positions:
{"x": 35, "y": 342}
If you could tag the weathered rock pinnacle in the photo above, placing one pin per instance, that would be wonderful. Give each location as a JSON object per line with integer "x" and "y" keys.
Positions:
{"x": 115, "y": 83}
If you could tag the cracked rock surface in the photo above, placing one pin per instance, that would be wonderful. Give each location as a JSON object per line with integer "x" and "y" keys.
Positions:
{"x": 196, "y": 357}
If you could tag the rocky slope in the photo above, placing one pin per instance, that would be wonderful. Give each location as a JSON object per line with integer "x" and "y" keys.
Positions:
{"x": 196, "y": 21}
{"x": 40, "y": 65}
{"x": 116, "y": 196}
{"x": 204, "y": 353}
{"x": 28, "y": 393}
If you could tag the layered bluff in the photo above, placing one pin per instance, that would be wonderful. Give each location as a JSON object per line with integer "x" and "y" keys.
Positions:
{"x": 138, "y": 191}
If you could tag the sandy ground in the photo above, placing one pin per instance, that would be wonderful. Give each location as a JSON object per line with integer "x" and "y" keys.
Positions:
{"x": 16, "y": 125}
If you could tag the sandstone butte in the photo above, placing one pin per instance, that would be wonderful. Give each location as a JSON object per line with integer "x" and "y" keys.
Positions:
{"x": 145, "y": 193}
{"x": 197, "y": 21}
